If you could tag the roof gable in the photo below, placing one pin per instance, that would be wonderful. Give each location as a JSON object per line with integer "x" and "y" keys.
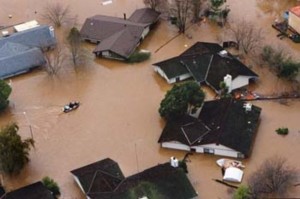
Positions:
{"x": 145, "y": 16}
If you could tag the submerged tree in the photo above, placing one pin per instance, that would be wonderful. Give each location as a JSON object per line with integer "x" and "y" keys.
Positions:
{"x": 242, "y": 192}
{"x": 75, "y": 45}
{"x": 181, "y": 9}
{"x": 57, "y": 14}
{"x": 272, "y": 179}
{"x": 51, "y": 186}
{"x": 154, "y": 4}
{"x": 181, "y": 99}
{"x": 14, "y": 151}
{"x": 5, "y": 91}
{"x": 55, "y": 60}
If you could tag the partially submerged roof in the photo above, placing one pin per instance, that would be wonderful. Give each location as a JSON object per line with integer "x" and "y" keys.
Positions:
{"x": 34, "y": 191}
{"x": 296, "y": 11}
{"x": 122, "y": 43}
{"x": 16, "y": 58}
{"x": 145, "y": 16}
{"x": 162, "y": 180}
{"x": 207, "y": 63}
{"x": 40, "y": 36}
{"x": 224, "y": 122}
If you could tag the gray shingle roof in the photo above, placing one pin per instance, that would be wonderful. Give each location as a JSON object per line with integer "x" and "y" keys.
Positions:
{"x": 17, "y": 58}
{"x": 145, "y": 16}
{"x": 33, "y": 191}
{"x": 39, "y": 36}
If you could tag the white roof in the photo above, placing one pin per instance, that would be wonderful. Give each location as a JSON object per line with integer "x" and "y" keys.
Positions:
{"x": 233, "y": 174}
{"x": 26, "y": 25}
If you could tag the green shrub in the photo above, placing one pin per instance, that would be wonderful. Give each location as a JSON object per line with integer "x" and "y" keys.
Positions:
{"x": 282, "y": 131}
{"x": 51, "y": 185}
{"x": 242, "y": 192}
{"x": 5, "y": 91}
{"x": 139, "y": 56}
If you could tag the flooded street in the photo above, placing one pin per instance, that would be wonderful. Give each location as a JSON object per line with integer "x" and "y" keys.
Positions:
{"x": 119, "y": 116}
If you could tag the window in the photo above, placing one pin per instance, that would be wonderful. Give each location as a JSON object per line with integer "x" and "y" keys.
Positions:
{"x": 208, "y": 150}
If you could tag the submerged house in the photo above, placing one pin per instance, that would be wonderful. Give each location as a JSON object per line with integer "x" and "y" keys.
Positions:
{"x": 33, "y": 191}
{"x": 104, "y": 179}
{"x": 294, "y": 19}
{"x": 22, "y": 51}
{"x": 224, "y": 127}
{"x": 117, "y": 38}
{"x": 206, "y": 63}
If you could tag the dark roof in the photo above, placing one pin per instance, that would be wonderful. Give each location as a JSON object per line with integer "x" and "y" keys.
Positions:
{"x": 2, "y": 191}
{"x": 222, "y": 122}
{"x": 40, "y": 36}
{"x": 187, "y": 130}
{"x": 101, "y": 27}
{"x": 17, "y": 58}
{"x": 145, "y": 16}
{"x": 34, "y": 191}
{"x": 122, "y": 43}
{"x": 205, "y": 63}
{"x": 101, "y": 176}
{"x": 234, "y": 127}
{"x": 172, "y": 67}
{"x": 164, "y": 180}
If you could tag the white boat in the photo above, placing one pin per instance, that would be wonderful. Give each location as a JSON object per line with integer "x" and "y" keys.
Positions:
{"x": 226, "y": 163}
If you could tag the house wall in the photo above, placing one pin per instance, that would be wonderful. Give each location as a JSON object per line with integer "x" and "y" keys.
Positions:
{"x": 172, "y": 80}
{"x": 240, "y": 81}
{"x": 111, "y": 55}
{"x": 294, "y": 22}
{"x": 208, "y": 148}
{"x": 146, "y": 32}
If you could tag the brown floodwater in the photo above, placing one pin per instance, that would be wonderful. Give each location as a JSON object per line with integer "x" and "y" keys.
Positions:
{"x": 119, "y": 118}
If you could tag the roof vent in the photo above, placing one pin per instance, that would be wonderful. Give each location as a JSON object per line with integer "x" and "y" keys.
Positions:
{"x": 248, "y": 107}
{"x": 91, "y": 23}
{"x": 174, "y": 162}
{"x": 5, "y": 33}
{"x": 223, "y": 53}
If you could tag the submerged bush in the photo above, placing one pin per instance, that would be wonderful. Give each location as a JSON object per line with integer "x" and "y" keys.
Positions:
{"x": 51, "y": 185}
{"x": 139, "y": 56}
{"x": 282, "y": 131}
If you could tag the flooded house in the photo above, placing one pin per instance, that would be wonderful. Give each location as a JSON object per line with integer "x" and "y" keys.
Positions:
{"x": 23, "y": 50}
{"x": 224, "y": 127}
{"x": 33, "y": 191}
{"x": 118, "y": 38}
{"x": 294, "y": 18}
{"x": 104, "y": 179}
{"x": 206, "y": 63}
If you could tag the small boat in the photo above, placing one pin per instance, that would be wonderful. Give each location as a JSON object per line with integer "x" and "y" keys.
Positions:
{"x": 71, "y": 106}
{"x": 226, "y": 163}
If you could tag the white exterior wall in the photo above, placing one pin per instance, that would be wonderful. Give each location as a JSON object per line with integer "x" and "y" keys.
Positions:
{"x": 240, "y": 81}
{"x": 216, "y": 149}
{"x": 172, "y": 80}
{"x": 145, "y": 32}
{"x": 175, "y": 145}
{"x": 294, "y": 22}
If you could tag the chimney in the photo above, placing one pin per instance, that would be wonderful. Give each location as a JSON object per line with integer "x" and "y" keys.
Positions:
{"x": 174, "y": 162}
{"x": 248, "y": 107}
{"x": 124, "y": 16}
{"x": 228, "y": 82}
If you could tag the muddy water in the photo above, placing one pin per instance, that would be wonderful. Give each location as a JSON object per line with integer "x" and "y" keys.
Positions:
{"x": 118, "y": 117}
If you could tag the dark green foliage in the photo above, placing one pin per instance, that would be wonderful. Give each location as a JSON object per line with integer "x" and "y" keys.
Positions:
{"x": 224, "y": 90}
{"x": 216, "y": 4}
{"x": 282, "y": 131}
{"x": 182, "y": 164}
{"x": 51, "y": 186}
{"x": 5, "y": 91}
{"x": 75, "y": 46}
{"x": 281, "y": 63}
{"x": 180, "y": 99}
{"x": 14, "y": 151}
{"x": 145, "y": 189}
{"x": 242, "y": 192}
{"x": 139, "y": 56}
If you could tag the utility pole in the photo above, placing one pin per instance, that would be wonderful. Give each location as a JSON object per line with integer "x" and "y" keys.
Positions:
{"x": 28, "y": 123}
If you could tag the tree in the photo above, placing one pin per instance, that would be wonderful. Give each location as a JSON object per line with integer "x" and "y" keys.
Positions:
{"x": 51, "y": 186}
{"x": 272, "y": 179}
{"x": 181, "y": 9}
{"x": 196, "y": 10}
{"x": 282, "y": 131}
{"x": 242, "y": 192}
{"x": 78, "y": 53}
{"x": 289, "y": 70}
{"x": 224, "y": 90}
{"x": 181, "y": 99}
{"x": 57, "y": 14}
{"x": 247, "y": 36}
{"x": 54, "y": 60}
{"x": 154, "y": 4}
{"x": 14, "y": 151}
{"x": 5, "y": 91}
{"x": 216, "y": 4}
